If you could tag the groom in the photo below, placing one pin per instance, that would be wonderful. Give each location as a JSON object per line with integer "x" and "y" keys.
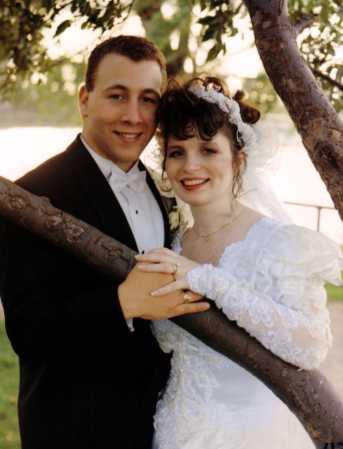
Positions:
{"x": 90, "y": 368}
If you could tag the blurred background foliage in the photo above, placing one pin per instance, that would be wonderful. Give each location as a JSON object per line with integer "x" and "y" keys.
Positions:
{"x": 194, "y": 36}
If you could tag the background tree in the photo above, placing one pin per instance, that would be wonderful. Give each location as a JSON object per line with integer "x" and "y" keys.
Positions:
{"x": 191, "y": 33}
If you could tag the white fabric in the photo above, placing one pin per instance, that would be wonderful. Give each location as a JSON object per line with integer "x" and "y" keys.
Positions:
{"x": 135, "y": 181}
{"x": 272, "y": 284}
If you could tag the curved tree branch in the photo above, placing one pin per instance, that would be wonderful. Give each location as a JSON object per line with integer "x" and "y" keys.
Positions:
{"x": 308, "y": 394}
{"x": 315, "y": 119}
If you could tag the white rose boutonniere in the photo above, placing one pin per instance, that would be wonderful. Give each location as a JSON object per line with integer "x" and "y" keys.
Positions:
{"x": 177, "y": 222}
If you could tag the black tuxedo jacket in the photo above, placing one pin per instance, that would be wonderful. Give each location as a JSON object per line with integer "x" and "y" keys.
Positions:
{"x": 86, "y": 381}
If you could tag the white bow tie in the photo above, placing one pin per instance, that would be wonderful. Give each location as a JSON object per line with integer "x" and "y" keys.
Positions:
{"x": 136, "y": 181}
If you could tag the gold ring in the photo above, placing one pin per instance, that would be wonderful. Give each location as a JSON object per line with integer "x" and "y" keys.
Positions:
{"x": 186, "y": 298}
{"x": 176, "y": 266}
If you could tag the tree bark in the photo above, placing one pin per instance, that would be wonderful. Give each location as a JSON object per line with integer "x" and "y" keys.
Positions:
{"x": 308, "y": 394}
{"x": 314, "y": 117}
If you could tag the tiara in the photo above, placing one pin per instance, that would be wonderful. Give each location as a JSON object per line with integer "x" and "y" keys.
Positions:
{"x": 246, "y": 135}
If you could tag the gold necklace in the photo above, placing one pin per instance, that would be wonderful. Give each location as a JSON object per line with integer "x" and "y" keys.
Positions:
{"x": 207, "y": 237}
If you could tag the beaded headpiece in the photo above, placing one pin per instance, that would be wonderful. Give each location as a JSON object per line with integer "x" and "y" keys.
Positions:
{"x": 246, "y": 135}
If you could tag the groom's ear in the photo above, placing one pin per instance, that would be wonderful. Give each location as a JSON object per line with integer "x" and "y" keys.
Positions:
{"x": 83, "y": 101}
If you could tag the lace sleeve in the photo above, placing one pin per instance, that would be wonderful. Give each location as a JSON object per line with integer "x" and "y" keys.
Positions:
{"x": 284, "y": 306}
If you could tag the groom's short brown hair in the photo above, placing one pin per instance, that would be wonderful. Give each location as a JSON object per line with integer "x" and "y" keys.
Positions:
{"x": 135, "y": 48}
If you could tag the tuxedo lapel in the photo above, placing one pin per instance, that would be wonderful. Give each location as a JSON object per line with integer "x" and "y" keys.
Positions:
{"x": 100, "y": 194}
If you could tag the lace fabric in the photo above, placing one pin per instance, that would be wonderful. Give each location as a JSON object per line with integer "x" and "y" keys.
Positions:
{"x": 276, "y": 293}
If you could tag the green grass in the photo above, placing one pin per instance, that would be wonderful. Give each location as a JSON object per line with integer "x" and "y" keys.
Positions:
{"x": 9, "y": 379}
{"x": 334, "y": 292}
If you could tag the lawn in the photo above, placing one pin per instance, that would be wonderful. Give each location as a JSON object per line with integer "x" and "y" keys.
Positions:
{"x": 9, "y": 433}
{"x": 333, "y": 291}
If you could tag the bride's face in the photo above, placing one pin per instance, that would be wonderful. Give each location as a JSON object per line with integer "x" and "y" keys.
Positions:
{"x": 199, "y": 171}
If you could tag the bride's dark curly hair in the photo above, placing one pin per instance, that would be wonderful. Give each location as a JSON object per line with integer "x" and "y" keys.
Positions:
{"x": 182, "y": 115}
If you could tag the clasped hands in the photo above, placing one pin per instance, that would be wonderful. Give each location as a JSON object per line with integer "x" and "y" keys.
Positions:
{"x": 157, "y": 287}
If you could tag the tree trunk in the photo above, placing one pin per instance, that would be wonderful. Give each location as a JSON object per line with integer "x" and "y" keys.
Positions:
{"x": 307, "y": 393}
{"x": 314, "y": 117}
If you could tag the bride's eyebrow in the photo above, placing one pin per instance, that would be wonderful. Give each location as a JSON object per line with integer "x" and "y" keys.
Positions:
{"x": 205, "y": 143}
{"x": 175, "y": 147}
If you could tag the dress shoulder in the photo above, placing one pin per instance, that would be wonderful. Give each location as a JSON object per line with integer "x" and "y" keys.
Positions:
{"x": 293, "y": 250}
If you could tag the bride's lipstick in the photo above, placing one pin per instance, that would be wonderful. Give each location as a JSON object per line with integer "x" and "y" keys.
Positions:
{"x": 193, "y": 183}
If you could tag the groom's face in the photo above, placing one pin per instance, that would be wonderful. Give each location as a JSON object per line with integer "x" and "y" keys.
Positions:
{"x": 119, "y": 113}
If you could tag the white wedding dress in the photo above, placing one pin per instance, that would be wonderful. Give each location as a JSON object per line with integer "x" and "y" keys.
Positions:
{"x": 272, "y": 285}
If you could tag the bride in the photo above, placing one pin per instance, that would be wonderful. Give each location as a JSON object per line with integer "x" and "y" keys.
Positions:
{"x": 263, "y": 273}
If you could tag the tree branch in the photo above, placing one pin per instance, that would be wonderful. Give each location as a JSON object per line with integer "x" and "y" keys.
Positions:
{"x": 308, "y": 394}
{"x": 327, "y": 78}
{"x": 305, "y": 22}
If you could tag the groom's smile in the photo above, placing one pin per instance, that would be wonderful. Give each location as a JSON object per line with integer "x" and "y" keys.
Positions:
{"x": 119, "y": 113}
{"x": 129, "y": 138}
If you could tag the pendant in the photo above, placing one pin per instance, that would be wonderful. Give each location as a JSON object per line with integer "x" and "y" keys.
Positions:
{"x": 207, "y": 237}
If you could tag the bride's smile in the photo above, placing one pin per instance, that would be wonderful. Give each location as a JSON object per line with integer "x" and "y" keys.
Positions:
{"x": 193, "y": 183}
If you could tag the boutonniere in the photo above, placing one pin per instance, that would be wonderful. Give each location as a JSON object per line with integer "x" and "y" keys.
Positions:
{"x": 177, "y": 222}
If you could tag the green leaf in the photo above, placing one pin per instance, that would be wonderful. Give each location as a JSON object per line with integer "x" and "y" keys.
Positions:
{"x": 210, "y": 33}
{"x": 62, "y": 27}
{"x": 215, "y": 50}
{"x": 208, "y": 20}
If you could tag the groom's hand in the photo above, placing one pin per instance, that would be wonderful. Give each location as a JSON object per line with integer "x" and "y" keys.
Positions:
{"x": 137, "y": 302}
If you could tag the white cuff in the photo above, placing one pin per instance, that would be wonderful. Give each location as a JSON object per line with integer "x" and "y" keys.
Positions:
{"x": 130, "y": 325}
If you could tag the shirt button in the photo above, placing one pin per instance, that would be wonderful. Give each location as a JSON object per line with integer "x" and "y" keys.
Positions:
{"x": 136, "y": 211}
{"x": 143, "y": 251}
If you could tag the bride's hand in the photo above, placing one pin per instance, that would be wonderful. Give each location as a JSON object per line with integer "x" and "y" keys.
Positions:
{"x": 163, "y": 260}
